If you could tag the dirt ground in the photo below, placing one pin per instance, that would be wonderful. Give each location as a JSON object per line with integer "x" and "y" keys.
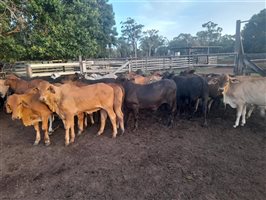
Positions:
{"x": 156, "y": 162}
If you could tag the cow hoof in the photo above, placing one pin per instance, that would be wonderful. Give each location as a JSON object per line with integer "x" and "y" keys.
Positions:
{"x": 242, "y": 124}
{"x": 80, "y": 132}
{"x": 66, "y": 144}
{"x": 235, "y": 126}
{"x": 71, "y": 141}
{"x": 36, "y": 143}
{"x": 99, "y": 133}
{"x": 47, "y": 143}
{"x": 114, "y": 136}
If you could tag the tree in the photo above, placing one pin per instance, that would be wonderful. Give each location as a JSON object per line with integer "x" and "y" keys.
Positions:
{"x": 123, "y": 49}
{"x": 254, "y": 33}
{"x": 181, "y": 41}
{"x": 12, "y": 17}
{"x": 151, "y": 41}
{"x": 12, "y": 22}
{"x": 131, "y": 31}
{"x": 107, "y": 34}
{"x": 55, "y": 29}
{"x": 227, "y": 43}
{"x": 211, "y": 36}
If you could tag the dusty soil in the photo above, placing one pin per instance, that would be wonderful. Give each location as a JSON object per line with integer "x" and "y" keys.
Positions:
{"x": 156, "y": 162}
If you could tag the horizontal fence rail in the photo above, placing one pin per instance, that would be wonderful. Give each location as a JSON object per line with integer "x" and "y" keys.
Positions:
{"x": 114, "y": 66}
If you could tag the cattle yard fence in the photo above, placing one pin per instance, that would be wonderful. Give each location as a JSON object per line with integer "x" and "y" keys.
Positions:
{"x": 115, "y": 66}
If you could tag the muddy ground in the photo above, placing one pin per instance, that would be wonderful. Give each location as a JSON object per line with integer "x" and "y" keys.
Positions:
{"x": 184, "y": 162}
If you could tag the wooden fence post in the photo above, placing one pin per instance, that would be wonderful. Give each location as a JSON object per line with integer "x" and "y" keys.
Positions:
{"x": 238, "y": 70}
{"x": 129, "y": 67}
{"x": 82, "y": 67}
{"x": 29, "y": 71}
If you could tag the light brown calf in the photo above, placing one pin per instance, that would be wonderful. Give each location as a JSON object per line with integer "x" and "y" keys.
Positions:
{"x": 69, "y": 100}
{"x": 31, "y": 111}
{"x": 119, "y": 95}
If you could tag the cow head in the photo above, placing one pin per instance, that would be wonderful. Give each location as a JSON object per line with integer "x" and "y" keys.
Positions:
{"x": 223, "y": 82}
{"x": 14, "y": 105}
{"x": 48, "y": 94}
{"x": 3, "y": 88}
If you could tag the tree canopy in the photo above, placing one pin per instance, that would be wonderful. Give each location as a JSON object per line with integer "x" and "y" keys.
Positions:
{"x": 131, "y": 32}
{"x": 254, "y": 33}
{"x": 52, "y": 29}
{"x": 65, "y": 29}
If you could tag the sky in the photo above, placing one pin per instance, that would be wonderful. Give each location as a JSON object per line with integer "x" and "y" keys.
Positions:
{"x": 172, "y": 17}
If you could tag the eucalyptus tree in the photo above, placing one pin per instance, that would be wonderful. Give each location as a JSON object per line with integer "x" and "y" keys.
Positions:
{"x": 150, "y": 41}
{"x": 182, "y": 41}
{"x": 227, "y": 43}
{"x": 211, "y": 36}
{"x": 131, "y": 32}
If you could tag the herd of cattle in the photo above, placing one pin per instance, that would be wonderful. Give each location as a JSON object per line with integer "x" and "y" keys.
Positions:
{"x": 39, "y": 99}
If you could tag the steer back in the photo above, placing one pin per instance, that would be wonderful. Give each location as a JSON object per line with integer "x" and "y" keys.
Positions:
{"x": 73, "y": 99}
{"x": 152, "y": 95}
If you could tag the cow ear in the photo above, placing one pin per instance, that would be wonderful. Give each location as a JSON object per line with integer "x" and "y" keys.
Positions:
{"x": 51, "y": 89}
{"x": 34, "y": 90}
{"x": 212, "y": 81}
{"x": 25, "y": 104}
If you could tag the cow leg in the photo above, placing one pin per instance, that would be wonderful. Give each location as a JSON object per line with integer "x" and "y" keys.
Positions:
{"x": 252, "y": 107}
{"x": 45, "y": 129}
{"x": 112, "y": 117}
{"x": 210, "y": 102}
{"x": 68, "y": 125}
{"x": 238, "y": 114}
{"x": 38, "y": 135}
{"x": 136, "y": 118}
{"x": 50, "y": 130}
{"x": 91, "y": 118}
{"x": 171, "y": 116}
{"x": 204, "y": 110}
{"x": 196, "y": 106}
{"x": 80, "y": 122}
{"x": 244, "y": 115}
{"x": 120, "y": 119}
{"x": 127, "y": 116}
{"x": 103, "y": 121}
{"x": 85, "y": 120}
{"x": 72, "y": 130}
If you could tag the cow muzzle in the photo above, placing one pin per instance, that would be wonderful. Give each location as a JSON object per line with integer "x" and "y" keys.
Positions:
{"x": 42, "y": 99}
{"x": 15, "y": 117}
{"x": 221, "y": 90}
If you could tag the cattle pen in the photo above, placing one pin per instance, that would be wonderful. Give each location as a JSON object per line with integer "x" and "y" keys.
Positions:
{"x": 184, "y": 161}
{"x": 115, "y": 66}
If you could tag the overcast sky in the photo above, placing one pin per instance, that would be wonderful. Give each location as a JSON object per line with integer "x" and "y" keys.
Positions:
{"x": 172, "y": 17}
